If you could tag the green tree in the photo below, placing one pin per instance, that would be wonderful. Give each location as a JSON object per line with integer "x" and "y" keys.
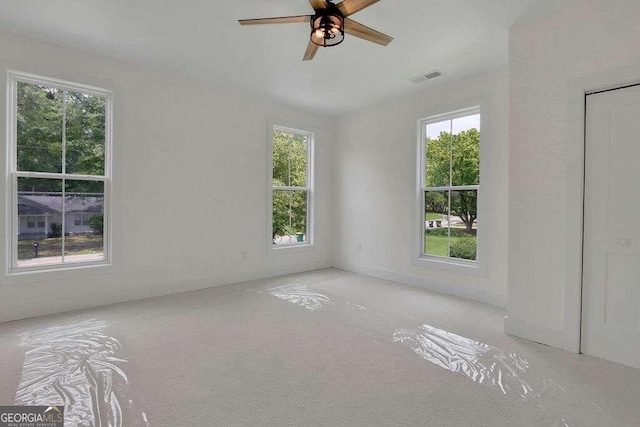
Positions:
{"x": 454, "y": 160}
{"x": 96, "y": 223}
{"x": 42, "y": 115}
{"x": 39, "y": 128}
{"x": 437, "y": 202}
{"x": 289, "y": 170}
{"x": 56, "y": 230}
{"x": 85, "y": 134}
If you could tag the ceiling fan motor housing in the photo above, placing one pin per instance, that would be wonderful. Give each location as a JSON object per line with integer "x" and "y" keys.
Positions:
{"x": 327, "y": 27}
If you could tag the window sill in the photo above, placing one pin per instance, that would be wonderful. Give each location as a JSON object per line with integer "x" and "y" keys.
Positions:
{"x": 59, "y": 269}
{"x": 289, "y": 249}
{"x": 471, "y": 268}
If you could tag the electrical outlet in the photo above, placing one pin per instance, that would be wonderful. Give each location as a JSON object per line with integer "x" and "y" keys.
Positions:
{"x": 358, "y": 247}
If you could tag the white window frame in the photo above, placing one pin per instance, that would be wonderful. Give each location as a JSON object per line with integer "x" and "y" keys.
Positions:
{"x": 419, "y": 258}
{"x": 13, "y": 77}
{"x": 310, "y": 135}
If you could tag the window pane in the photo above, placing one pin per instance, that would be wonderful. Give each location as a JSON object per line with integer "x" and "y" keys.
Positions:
{"x": 298, "y": 160}
{"x": 438, "y": 154}
{"x": 466, "y": 150}
{"x": 289, "y": 159}
{"x": 84, "y": 221}
{"x": 281, "y": 216}
{"x": 289, "y": 217}
{"x": 280, "y": 159}
{"x": 39, "y": 128}
{"x": 41, "y": 199}
{"x": 436, "y": 223}
{"x": 299, "y": 215}
{"x": 464, "y": 227}
{"x": 85, "y": 134}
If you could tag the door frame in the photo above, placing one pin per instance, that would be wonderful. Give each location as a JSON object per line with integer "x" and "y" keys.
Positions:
{"x": 576, "y": 169}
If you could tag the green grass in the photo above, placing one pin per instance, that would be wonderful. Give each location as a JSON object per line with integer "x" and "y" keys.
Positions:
{"x": 436, "y": 245}
{"x": 463, "y": 227}
{"x": 50, "y": 247}
{"x": 436, "y": 241}
{"x": 434, "y": 216}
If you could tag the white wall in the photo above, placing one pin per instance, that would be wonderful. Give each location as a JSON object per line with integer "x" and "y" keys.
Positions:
{"x": 552, "y": 62}
{"x": 189, "y": 185}
{"x": 374, "y": 191}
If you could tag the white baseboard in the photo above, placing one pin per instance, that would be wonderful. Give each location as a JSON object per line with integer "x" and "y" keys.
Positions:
{"x": 153, "y": 288}
{"x": 466, "y": 292}
{"x": 532, "y": 332}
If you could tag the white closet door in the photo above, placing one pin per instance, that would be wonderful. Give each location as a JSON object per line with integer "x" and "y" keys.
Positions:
{"x": 611, "y": 286}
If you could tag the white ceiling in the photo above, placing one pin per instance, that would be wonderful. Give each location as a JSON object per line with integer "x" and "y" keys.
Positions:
{"x": 197, "y": 37}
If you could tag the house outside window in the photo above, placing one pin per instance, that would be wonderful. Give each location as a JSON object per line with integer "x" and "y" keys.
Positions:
{"x": 291, "y": 189}
{"x": 59, "y": 151}
{"x": 449, "y": 185}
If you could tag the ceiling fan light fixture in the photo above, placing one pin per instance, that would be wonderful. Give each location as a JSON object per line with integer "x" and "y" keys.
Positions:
{"x": 329, "y": 23}
{"x": 327, "y": 27}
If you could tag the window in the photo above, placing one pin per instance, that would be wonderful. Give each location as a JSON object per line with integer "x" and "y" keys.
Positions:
{"x": 449, "y": 176}
{"x": 291, "y": 188}
{"x": 32, "y": 221}
{"x": 82, "y": 220}
{"x": 59, "y": 151}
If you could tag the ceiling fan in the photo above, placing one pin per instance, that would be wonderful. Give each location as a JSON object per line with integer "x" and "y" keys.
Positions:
{"x": 329, "y": 24}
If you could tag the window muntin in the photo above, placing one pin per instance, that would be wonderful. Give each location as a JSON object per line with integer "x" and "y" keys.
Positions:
{"x": 450, "y": 184}
{"x": 291, "y": 191}
{"x": 59, "y": 151}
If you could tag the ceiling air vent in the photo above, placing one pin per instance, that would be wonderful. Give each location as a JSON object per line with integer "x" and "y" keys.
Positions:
{"x": 424, "y": 77}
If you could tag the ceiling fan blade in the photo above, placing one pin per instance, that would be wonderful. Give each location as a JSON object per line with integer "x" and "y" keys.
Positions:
{"x": 349, "y": 7}
{"x": 304, "y": 19}
{"x": 318, "y": 4}
{"x": 312, "y": 48}
{"x": 362, "y": 31}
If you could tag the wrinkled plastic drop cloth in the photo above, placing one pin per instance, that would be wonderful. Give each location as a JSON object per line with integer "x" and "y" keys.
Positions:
{"x": 480, "y": 362}
{"x": 300, "y": 295}
{"x": 79, "y": 366}
{"x": 506, "y": 372}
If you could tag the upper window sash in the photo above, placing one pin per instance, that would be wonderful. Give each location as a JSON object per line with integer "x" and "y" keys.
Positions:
{"x": 308, "y": 141}
{"x": 423, "y": 148}
{"x": 15, "y": 77}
